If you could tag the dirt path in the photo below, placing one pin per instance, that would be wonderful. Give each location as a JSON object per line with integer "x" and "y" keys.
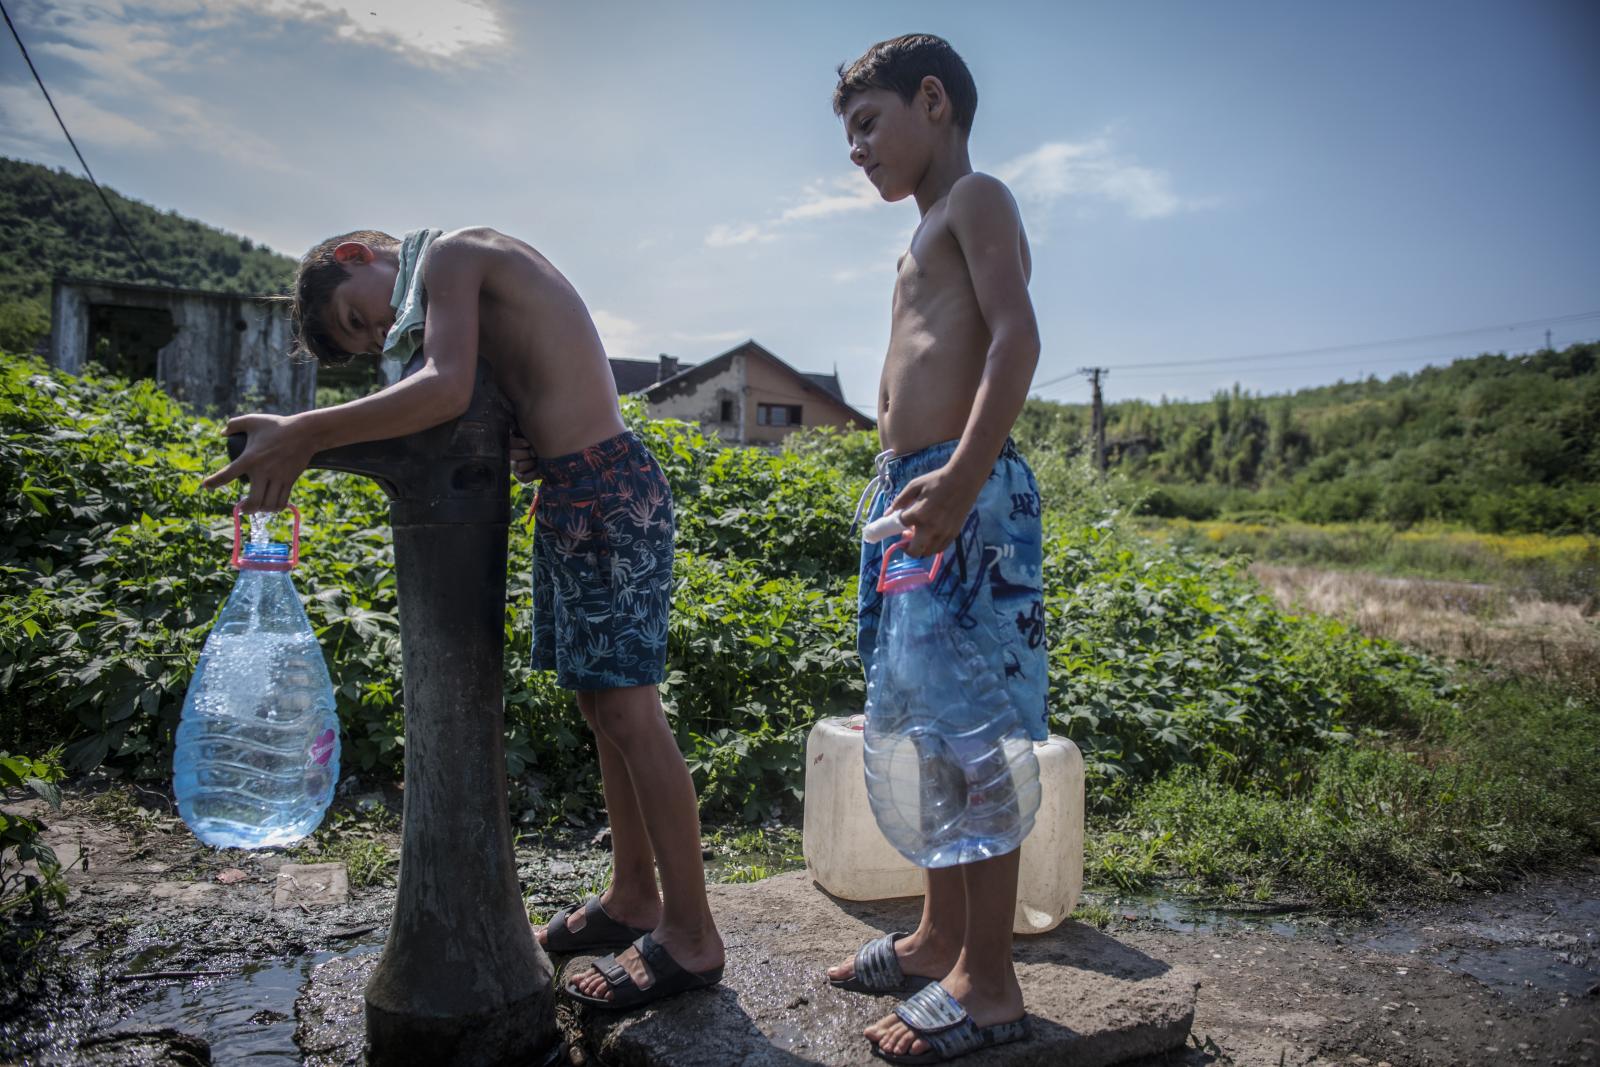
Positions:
{"x": 1497, "y": 978}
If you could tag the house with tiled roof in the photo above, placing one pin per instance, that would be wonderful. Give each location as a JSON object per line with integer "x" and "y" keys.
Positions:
{"x": 746, "y": 395}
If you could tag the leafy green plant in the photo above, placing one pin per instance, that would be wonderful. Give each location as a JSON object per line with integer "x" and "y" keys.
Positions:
{"x": 21, "y": 836}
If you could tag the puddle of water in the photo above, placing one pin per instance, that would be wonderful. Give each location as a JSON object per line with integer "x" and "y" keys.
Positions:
{"x": 1553, "y": 948}
{"x": 244, "y": 1017}
{"x": 1190, "y": 918}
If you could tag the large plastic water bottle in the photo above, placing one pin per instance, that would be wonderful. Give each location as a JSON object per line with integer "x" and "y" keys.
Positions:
{"x": 951, "y": 772}
{"x": 258, "y": 744}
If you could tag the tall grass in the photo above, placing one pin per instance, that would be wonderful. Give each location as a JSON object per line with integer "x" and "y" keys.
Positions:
{"x": 1565, "y": 569}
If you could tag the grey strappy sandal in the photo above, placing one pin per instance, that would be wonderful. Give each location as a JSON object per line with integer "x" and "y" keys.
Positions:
{"x": 940, "y": 1020}
{"x": 877, "y": 969}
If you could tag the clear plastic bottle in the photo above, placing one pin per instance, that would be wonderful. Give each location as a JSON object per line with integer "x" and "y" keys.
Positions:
{"x": 258, "y": 744}
{"x": 951, "y": 772}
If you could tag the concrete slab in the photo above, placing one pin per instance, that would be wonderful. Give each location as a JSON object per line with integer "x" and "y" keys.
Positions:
{"x": 1093, "y": 1001}
{"x": 311, "y": 885}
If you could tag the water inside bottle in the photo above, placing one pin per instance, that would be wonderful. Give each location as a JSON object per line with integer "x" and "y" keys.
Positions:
{"x": 257, "y": 752}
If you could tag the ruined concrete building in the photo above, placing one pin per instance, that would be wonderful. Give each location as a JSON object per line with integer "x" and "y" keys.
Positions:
{"x": 218, "y": 353}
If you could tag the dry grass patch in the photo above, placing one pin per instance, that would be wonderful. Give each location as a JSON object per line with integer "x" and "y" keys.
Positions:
{"x": 1459, "y": 620}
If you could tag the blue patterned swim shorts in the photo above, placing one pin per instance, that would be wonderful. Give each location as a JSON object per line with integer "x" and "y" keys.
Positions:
{"x": 990, "y": 579}
{"x": 602, "y": 566}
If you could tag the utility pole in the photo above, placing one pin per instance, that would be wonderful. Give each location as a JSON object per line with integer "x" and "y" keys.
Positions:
{"x": 1099, "y": 423}
{"x": 1547, "y": 347}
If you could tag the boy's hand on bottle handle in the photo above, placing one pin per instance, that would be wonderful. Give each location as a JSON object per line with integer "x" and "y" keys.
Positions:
{"x": 274, "y": 458}
{"x": 935, "y": 508}
{"x": 523, "y": 461}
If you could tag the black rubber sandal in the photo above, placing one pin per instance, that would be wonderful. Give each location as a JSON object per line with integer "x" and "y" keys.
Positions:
{"x": 600, "y": 930}
{"x": 670, "y": 979}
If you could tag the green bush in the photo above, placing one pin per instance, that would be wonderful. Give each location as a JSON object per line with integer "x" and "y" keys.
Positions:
{"x": 21, "y": 836}
{"x": 115, "y": 569}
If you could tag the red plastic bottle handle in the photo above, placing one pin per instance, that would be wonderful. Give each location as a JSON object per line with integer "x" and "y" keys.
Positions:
{"x": 240, "y": 563}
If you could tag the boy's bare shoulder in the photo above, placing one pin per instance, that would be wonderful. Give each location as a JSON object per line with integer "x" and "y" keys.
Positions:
{"x": 977, "y": 196}
{"x": 477, "y": 252}
{"x": 467, "y": 243}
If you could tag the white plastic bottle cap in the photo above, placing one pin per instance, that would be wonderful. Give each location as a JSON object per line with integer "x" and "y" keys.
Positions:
{"x": 882, "y": 528}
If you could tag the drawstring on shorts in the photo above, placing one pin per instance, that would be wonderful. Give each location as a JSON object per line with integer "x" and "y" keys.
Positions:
{"x": 878, "y": 484}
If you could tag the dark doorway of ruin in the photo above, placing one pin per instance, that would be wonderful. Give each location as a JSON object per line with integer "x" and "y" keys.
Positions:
{"x": 127, "y": 340}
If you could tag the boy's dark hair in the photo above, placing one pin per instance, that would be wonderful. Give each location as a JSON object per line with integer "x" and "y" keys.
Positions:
{"x": 319, "y": 275}
{"x": 900, "y": 65}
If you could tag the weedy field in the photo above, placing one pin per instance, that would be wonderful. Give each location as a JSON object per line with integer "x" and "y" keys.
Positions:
{"x": 1236, "y": 747}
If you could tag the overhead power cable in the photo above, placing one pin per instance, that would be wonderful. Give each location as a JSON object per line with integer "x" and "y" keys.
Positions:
{"x": 1422, "y": 361}
{"x": 1353, "y": 347}
{"x": 126, "y": 236}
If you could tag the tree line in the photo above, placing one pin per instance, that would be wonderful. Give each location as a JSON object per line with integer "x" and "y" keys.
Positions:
{"x": 1501, "y": 443}
{"x": 52, "y": 224}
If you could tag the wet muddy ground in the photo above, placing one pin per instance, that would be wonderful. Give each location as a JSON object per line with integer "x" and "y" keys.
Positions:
{"x": 168, "y": 951}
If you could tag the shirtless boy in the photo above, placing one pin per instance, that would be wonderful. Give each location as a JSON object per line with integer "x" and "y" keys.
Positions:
{"x": 600, "y": 614}
{"x": 963, "y": 344}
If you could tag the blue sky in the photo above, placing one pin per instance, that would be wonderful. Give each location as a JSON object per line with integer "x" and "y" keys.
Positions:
{"x": 1202, "y": 181}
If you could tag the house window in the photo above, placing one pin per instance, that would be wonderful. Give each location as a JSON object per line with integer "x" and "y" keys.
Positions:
{"x": 777, "y": 414}
{"x": 727, "y": 411}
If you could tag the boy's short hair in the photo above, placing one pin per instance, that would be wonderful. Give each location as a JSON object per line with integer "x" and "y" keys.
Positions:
{"x": 900, "y": 64}
{"x": 319, "y": 275}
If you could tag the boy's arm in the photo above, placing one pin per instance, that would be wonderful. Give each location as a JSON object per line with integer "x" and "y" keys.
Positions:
{"x": 280, "y": 446}
{"x": 984, "y": 221}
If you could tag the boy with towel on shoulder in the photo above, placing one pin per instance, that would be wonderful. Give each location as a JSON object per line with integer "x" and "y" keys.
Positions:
{"x": 602, "y": 550}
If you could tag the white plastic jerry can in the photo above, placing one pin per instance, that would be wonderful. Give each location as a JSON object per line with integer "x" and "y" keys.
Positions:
{"x": 849, "y": 857}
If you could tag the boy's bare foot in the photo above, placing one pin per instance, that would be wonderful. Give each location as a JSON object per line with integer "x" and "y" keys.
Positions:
{"x": 989, "y": 1005}
{"x": 920, "y": 957}
{"x": 641, "y": 913}
{"x": 694, "y": 953}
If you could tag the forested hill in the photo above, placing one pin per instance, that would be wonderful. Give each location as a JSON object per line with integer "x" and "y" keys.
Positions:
{"x": 53, "y": 223}
{"x": 1498, "y": 442}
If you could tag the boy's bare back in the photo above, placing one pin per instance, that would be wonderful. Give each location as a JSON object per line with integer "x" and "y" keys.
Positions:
{"x": 488, "y": 296}
{"x": 533, "y": 331}
{"x": 938, "y": 335}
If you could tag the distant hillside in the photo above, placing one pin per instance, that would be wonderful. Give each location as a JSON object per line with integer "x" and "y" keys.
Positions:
{"x": 52, "y": 222}
{"x": 1500, "y": 443}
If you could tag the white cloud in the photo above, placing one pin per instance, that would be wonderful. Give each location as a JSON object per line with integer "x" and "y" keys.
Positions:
{"x": 729, "y": 235}
{"x": 622, "y": 337}
{"x": 124, "y": 52}
{"x": 1060, "y": 170}
{"x": 824, "y": 199}
{"x": 426, "y": 31}
{"x": 820, "y": 199}
{"x": 27, "y": 117}
{"x": 719, "y": 337}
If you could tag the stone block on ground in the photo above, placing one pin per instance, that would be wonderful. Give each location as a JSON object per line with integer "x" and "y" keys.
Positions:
{"x": 1092, "y": 1000}
{"x": 311, "y": 885}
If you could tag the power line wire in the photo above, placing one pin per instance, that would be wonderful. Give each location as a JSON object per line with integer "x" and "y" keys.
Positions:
{"x": 1201, "y": 368}
{"x": 1439, "y": 360}
{"x": 126, "y": 236}
{"x": 1355, "y": 346}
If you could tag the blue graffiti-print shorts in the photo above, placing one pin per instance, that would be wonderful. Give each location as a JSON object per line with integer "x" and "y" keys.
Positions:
{"x": 602, "y": 566}
{"x": 990, "y": 579}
